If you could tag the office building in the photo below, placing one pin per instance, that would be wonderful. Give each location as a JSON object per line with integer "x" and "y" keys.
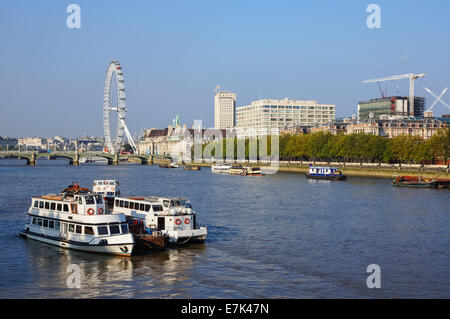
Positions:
{"x": 224, "y": 110}
{"x": 269, "y": 114}
{"x": 390, "y": 106}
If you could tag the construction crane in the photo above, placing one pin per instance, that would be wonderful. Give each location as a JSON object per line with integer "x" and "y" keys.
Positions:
{"x": 412, "y": 77}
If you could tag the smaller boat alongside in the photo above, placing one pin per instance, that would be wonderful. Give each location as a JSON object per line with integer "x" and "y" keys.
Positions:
{"x": 420, "y": 182}
{"x": 170, "y": 165}
{"x": 220, "y": 169}
{"x": 145, "y": 238}
{"x": 325, "y": 173}
{"x": 253, "y": 171}
{"x": 192, "y": 167}
{"x": 173, "y": 217}
{"x": 237, "y": 170}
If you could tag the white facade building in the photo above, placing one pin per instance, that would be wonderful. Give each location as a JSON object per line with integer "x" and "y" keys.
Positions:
{"x": 269, "y": 114}
{"x": 224, "y": 110}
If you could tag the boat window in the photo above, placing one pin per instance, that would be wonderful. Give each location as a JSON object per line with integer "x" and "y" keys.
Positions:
{"x": 36, "y": 204}
{"x": 102, "y": 230}
{"x": 71, "y": 228}
{"x": 39, "y": 222}
{"x": 188, "y": 205}
{"x": 100, "y": 183}
{"x": 127, "y": 204}
{"x": 110, "y": 193}
{"x": 116, "y": 202}
{"x": 45, "y": 223}
{"x": 147, "y": 207}
{"x": 175, "y": 203}
{"x": 166, "y": 203}
{"x": 88, "y": 230}
{"x": 41, "y": 204}
{"x": 131, "y": 205}
{"x": 66, "y": 207}
{"x": 90, "y": 200}
{"x": 47, "y": 205}
{"x": 157, "y": 208}
{"x": 59, "y": 207}
{"x": 78, "y": 229}
{"x": 114, "y": 229}
{"x": 124, "y": 228}
{"x": 57, "y": 225}
{"x": 51, "y": 224}
{"x": 52, "y": 206}
{"x": 142, "y": 207}
{"x": 121, "y": 203}
{"x": 33, "y": 221}
{"x": 99, "y": 199}
{"x": 80, "y": 201}
{"x": 183, "y": 203}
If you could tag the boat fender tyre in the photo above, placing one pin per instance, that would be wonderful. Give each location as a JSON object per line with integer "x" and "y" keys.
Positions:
{"x": 90, "y": 211}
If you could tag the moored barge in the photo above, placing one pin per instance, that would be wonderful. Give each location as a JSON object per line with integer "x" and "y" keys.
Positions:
{"x": 420, "y": 182}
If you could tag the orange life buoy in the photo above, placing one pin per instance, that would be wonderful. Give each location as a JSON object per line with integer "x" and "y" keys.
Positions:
{"x": 112, "y": 188}
{"x": 187, "y": 221}
{"x": 100, "y": 210}
{"x": 90, "y": 211}
{"x": 178, "y": 221}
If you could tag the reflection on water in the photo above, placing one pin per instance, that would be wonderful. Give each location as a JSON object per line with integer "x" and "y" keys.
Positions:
{"x": 277, "y": 236}
{"x": 155, "y": 273}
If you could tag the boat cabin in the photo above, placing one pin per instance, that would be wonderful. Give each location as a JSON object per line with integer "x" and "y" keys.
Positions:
{"x": 324, "y": 171}
{"x": 107, "y": 188}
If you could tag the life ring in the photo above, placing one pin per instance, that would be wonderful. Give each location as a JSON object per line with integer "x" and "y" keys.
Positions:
{"x": 178, "y": 221}
{"x": 90, "y": 211}
{"x": 112, "y": 188}
{"x": 187, "y": 221}
{"x": 100, "y": 210}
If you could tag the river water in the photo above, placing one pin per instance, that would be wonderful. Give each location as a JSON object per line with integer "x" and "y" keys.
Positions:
{"x": 276, "y": 236}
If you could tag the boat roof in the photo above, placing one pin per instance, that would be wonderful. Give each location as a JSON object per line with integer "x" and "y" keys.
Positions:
{"x": 329, "y": 167}
{"x": 152, "y": 199}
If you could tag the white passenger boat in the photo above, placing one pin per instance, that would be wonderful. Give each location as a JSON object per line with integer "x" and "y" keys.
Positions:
{"x": 222, "y": 169}
{"x": 78, "y": 219}
{"x": 174, "y": 217}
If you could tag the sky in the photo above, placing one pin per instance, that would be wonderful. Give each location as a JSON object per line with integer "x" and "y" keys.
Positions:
{"x": 174, "y": 53}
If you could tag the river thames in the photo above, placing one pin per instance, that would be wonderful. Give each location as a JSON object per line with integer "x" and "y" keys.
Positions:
{"x": 276, "y": 236}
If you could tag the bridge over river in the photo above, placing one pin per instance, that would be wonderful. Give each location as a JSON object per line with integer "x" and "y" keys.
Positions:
{"x": 74, "y": 157}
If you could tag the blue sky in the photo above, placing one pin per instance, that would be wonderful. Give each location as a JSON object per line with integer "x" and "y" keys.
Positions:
{"x": 174, "y": 53}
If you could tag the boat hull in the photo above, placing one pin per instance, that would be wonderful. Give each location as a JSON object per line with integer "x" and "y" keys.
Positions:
{"x": 416, "y": 184}
{"x": 115, "y": 249}
{"x": 150, "y": 242}
{"x": 327, "y": 177}
{"x": 187, "y": 236}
